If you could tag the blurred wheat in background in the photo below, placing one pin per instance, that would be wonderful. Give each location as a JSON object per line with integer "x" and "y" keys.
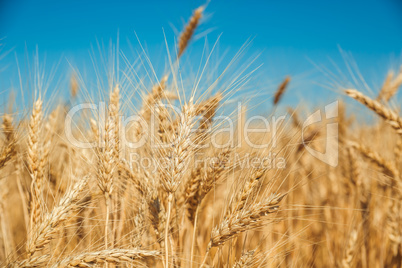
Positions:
{"x": 193, "y": 205}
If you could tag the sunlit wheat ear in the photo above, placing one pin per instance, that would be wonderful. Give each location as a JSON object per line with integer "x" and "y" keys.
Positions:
{"x": 390, "y": 116}
{"x": 243, "y": 220}
{"x": 281, "y": 90}
{"x": 44, "y": 231}
{"x": 116, "y": 256}
{"x": 34, "y": 167}
{"x": 8, "y": 149}
{"x": 37, "y": 261}
{"x": 207, "y": 110}
{"x": 156, "y": 94}
{"x": 215, "y": 172}
{"x": 387, "y": 166}
{"x": 202, "y": 181}
{"x": 165, "y": 128}
{"x": 150, "y": 101}
{"x": 393, "y": 221}
{"x": 8, "y": 128}
{"x": 179, "y": 151}
{"x": 350, "y": 250}
{"x": 108, "y": 157}
{"x": 249, "y": 259}
{"x": 354, "y": 167}
{"x": 74, "y": 87}
{"x": 188, "y": 32}
{"x": 192, "y": 196}
{"x": 156, "y": 213}
{"x": 384, "y": 89}
{"x": 114, "y": 111}
{"x": 246, "y": 193}
{"x": 390, "y": 86}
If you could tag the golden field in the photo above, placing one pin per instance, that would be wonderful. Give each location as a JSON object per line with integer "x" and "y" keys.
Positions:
{"x": 177, "y": 186}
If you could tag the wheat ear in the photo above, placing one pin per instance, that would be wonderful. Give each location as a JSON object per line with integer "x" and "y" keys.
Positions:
{"x": 189, "y": 30}
{"x": 108, "y": 157}
{"x": 37, "y": 261}
{"x": 44, "y": 232}
{"x": 350, "y": 250}
{"x": 243, "y": 220}
{"x": 388, "y": 167}
{"x": 390, "y": 86}
{"x": 8, "y": 150}
{"x": 248, "y": 259}
{"x": 390, "y": 116}
{"x": 281, "y": 89}
{"x": 117, "y": 256}
{"x": 34, "y": 166}
{"x": 74, "y": 87}
{"x": 247, "y": 190}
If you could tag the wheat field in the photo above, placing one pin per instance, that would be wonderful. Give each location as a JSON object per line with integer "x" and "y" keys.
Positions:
{"x": 186, "y": 195}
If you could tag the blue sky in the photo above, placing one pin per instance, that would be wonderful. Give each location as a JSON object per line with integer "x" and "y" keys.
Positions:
{"x": 292, "y": 36}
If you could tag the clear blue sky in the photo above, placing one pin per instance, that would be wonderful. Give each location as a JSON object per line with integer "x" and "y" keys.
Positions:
{"x": 290, "y": 34}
